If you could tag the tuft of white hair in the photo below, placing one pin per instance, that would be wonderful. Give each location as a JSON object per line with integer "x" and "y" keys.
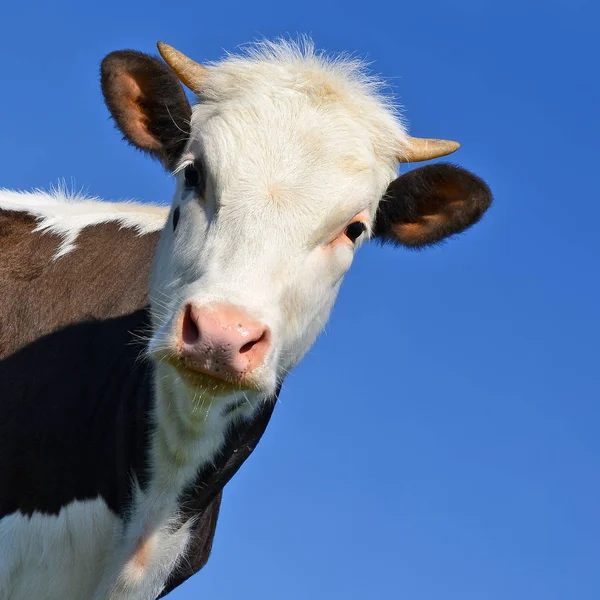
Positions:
{"x": 283, "y": 66}
{"x": 66, "y": 213}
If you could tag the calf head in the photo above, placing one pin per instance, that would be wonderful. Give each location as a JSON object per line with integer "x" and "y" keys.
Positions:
{"x": 286, "y": 164}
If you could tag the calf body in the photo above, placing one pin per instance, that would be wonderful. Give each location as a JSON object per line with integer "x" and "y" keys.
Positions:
{"x": 76, "y": 405}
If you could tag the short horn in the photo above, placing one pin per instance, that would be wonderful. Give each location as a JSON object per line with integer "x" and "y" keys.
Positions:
{"x": 189, "y": 72}
{"x": 423, "y": 149}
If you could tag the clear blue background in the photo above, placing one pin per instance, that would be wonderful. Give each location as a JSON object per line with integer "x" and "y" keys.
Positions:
{"x": 441, "y": 439}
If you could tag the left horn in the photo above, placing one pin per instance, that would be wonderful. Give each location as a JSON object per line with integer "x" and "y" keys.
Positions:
{"x": 423, "y": 149}
{"x": 189, "y": 72}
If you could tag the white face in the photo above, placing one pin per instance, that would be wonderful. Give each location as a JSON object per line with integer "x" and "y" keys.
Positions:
{"x": 267, "y": 188}
{"x": 281, "y": 168}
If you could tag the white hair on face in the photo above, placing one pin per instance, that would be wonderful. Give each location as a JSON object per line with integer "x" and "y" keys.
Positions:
{"x": 290, "y": 138}
{"x": 296, "y": 66}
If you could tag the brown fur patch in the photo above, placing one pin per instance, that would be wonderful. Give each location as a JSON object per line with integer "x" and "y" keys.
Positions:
{"x": 110, "y": 267}
{"x": 319, "y": 88}
{"x": 353, "y": 165}
{"x": 142, "y": 554}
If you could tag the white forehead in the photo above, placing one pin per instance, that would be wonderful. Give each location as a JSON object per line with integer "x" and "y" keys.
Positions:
{"x": 285, "y": 120}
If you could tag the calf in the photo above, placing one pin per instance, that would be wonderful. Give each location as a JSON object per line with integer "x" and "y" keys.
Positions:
{"x": 142, "y": 347}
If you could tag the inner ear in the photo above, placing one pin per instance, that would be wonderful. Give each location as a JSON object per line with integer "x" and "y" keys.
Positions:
{"x": 148, "y": 104}
{"x": 427, "y": 205}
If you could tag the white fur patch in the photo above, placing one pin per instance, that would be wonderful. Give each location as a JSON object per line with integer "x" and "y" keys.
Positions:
{"x": 66, "y": 215}
{"x": 82, "y": 553}
{"x": 47, "y": 557}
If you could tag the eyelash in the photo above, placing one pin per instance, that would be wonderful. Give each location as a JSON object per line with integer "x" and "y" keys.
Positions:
{"x": 193, "y": 176}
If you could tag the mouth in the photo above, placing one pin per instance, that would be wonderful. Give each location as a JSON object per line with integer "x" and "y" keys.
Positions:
{"x": 200, "y": 381}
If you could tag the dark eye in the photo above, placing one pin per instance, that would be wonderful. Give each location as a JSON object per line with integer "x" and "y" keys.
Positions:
{"x": 194, "y": 178}
{"x": 355, "y": 230}
{"x": 175, "y": 218}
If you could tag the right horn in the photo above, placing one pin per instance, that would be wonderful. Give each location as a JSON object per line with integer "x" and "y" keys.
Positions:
{"x": 420, "y": 149}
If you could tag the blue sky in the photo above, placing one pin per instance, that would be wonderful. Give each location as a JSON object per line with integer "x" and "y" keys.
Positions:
{"x": 441, "y": 439}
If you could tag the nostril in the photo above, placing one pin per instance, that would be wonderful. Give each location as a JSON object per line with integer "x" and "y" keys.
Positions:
{"x": 190, "y": 333}
{"x": 261, "y": 341}
{"x": 247, "y": 347}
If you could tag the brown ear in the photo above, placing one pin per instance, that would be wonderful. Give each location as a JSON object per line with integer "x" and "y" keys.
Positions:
{"x": 147, "y": 103}
{"x": 427, "y": 205}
